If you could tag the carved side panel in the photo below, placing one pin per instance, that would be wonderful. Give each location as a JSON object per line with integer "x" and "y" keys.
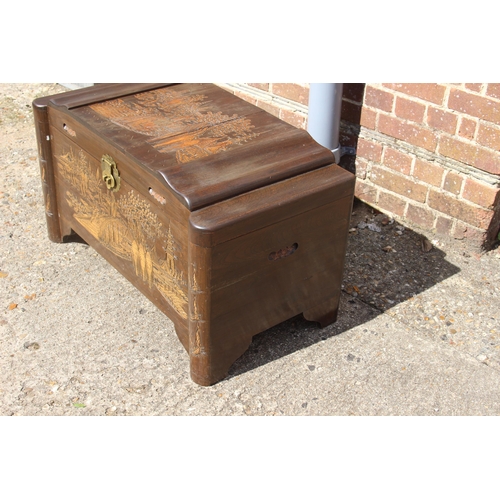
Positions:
{"x": 200, "y": 339}
{"x": 126, "y": 225}
{"x": 47, "y": 171}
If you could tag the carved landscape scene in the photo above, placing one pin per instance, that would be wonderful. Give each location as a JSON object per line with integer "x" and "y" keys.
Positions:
{"x": 178, "y": 123}
{"x": 126, "y": 226}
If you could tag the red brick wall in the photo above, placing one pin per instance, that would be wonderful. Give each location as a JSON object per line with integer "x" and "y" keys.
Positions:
{"x": 287, "y": 101}
{"x": 428, "y": 154}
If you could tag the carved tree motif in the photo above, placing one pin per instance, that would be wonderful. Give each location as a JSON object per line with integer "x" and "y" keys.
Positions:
{"x": 178, "y": 123}
{"x": 125, "y": 225}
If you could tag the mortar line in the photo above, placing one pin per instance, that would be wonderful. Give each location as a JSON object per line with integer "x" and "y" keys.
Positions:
{"x": 422, "y": 153}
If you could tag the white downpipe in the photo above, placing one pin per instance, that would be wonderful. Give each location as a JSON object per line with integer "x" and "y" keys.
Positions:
{"x": 323, "y": 123}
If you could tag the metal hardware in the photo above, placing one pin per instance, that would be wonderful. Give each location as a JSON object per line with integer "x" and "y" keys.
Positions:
{"x": 346, "y": 150}
{"x": 110, "y": 174}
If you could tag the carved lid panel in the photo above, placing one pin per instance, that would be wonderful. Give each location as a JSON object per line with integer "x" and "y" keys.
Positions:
{"x": 205, "y": 143}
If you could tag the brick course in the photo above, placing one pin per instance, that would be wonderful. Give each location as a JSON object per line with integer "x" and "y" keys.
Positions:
{"x": 366, "y": 192}
{"x": 488, "y": 160}
{"x": 489, "y": 136}
{"x": 292, "y": 91}
{"x": 467, "y": 128}
{"x": 428, "y": 172}
{"x": 456, "y": 125}
{"x": 261, "y": 86}
{"x": 474, "y": 105}
{"x": 442, "y": 120}
{"x": 269, "y": 107}
{"x": 452, "y": 183}
{"x": 475, "y": 87}
{"x": 293, "y": 118}
{"x": 391, "y": 203}
{"x": 361, "y": 167}
{"x": 493, "y": 90}
{"x": 247, "y": 98}
{"x": 397, "y": 161}
{"x": 399, "y": 184}
{"x": 409, "y": 110}
{"x": 446, "y": 204}
{"x": 427, "y": 91}
{"x": 379, "y": 99}
{"x": 481, "y": 194}
{"x": 458, "y": 149}
{"x": 414, "y": 134}
{"x": 368, "y": 118}
{"x": 369, "y": 150}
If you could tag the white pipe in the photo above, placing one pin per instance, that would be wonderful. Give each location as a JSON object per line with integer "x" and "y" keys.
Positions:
{"x": 323, "y": 123}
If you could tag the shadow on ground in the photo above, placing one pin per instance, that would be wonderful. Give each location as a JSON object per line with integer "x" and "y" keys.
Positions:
{"x": 386, "y": 264}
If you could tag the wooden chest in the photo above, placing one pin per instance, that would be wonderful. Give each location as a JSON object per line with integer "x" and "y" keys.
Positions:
{"x": 225, "y": 217}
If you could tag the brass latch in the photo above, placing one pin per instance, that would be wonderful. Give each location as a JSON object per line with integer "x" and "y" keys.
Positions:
{"x": 110, "y": 174}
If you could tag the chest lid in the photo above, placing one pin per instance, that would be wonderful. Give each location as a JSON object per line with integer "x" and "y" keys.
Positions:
{"x": 205, "y": 143}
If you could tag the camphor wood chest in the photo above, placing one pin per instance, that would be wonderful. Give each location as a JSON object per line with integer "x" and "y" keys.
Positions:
{"x": 225, "y": 217}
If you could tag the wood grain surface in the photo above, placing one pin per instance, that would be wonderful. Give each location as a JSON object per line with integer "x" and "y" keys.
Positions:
{"x": 226, "y": 218}
{"x": 205, "y": 143}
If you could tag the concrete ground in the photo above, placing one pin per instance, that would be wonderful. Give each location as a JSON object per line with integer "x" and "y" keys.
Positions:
{"x": 418, "y": 332}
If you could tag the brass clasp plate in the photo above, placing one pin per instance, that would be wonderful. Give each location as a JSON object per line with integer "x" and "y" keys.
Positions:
{"x": 110, "y": 174}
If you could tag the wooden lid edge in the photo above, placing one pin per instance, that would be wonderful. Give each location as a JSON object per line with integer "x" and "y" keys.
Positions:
{"x": 270, "y": 204}
{"x": 96, "y": 93}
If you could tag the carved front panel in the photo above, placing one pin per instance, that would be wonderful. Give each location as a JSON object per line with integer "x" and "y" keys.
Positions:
{"x": 125, "y": 224}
